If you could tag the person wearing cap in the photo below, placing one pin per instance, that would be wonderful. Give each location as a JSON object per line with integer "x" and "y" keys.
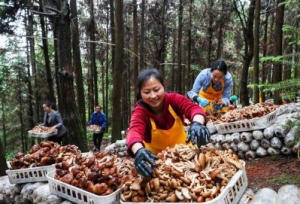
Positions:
{"x": 212, "y": 88}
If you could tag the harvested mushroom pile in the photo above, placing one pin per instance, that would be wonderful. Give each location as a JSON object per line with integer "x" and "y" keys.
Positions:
{"x": 184, "y": 174}
{"x": 98, "y": 173}
{"x": 42, "y": 129}
{"x": 93, "y": 128}
{"x": 245, "y": 113}
{"x": 42, "y": 154}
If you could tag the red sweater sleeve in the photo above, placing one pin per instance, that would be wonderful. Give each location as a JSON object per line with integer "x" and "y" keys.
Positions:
{"x": 140, "y": 126}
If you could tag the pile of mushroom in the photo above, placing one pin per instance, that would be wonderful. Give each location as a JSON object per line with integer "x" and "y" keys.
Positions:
{"x": 42, "y": 129}
{"x": 245, "y": 113}
{"x": 184, "y": 174}
{"x": 43, "y": 154}
{"x": 93, "y": 128}
{"x": 98, "y": 173}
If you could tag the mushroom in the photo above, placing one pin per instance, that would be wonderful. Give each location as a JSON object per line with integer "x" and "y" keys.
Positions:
{"x": 179, "y": 195}
{"x": 185, "y": 192}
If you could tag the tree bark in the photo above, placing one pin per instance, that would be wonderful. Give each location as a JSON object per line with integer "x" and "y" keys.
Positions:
{"x": 179, "y": 63}
{"x": 265, "y": 66}
{"x": 3, "y": 165}
{"x": 31, "y": 59}
{"x": 247, "y": 26}
{"x": 256, "y": 51}
{"x": 117, "y": 85}
{"x": 66, "y": 94}
{"x": 135, "y": 64}
{"x": 77, "y": 64}
{"x": 142, "y": 38}
{"x": 210, "y": 31}
{"x": 277, "y": 69}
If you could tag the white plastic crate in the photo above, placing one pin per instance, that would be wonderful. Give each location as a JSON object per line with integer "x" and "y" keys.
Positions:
{"x": 247, "y": 125}
{"x": 78, "y": 195}
{"x": 231, "y": 194}
{"x": 41, "y": 135}
{"x": 28, "y": 175}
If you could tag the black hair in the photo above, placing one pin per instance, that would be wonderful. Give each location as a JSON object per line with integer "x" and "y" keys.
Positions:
{"x": 219, "y": 65}
{"x": 48, "y": 104}
{"x": 145, "y": 75}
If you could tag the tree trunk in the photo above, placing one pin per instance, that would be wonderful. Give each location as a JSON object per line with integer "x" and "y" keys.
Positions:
{"x": 135, "y": 64}
{"x": 92, "y": 54}
{"x": 264, "y": 53}
{"x": 77, "y": 65}
{"x": 3, "y": 165}
{"x": 66, "y": 94}
{"x": 31, "y": 59}
{"x": 50, "y": 95}
{"x": 3, "y": 116}
{"x": 256, "y": 52}
{"x": 117, "y": 85}
{"x": 142, "y": 38}
{"x": 189, "y": 47}
{"x": 222, "y": 24}
{"x": 247, "y": 26}
{"x": 210, "y": 31}
{"x": 21, "y": 108}
{"x": 179, "y": 63}
{"x": 277, "y": 76}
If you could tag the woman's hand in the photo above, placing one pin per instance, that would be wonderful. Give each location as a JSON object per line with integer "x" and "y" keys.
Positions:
{"x": 144, "y": 161}
{"x": 198, "y": 134}
{"x": 203, "y": 102}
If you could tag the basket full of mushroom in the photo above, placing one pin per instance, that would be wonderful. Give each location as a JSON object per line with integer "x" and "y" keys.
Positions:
{"x": 187, "y": 174}
{"x": 34, "y": 166}
{"x": 248, "y": 118}
{"x": 92, "y": 178}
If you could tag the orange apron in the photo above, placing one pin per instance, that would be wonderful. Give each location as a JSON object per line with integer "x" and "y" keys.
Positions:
{"x": 161, "y": 139}
{"x": 210, "y": 94}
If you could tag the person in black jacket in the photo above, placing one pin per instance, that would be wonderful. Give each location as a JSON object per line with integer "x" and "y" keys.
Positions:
{"x": 53, "y": 119}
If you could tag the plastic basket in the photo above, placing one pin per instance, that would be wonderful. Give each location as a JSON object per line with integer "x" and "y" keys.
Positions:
{"x": 247, "y": 125}
{"x": 77, "y": 195}
{"x": 231, "y": 194}
{"x": 28, "y": 175}
{"x": 211, "y": 128}
{"x": 41, "y": 135}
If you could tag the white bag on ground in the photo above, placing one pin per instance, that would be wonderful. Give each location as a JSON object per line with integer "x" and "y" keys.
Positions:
{"x": 288, "y": 194}
{"x": 265, "y": 196}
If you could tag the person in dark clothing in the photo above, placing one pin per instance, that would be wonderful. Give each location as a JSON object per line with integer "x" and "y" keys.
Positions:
{"x": 52, "y": 118}
{"x": 98, "y": 118}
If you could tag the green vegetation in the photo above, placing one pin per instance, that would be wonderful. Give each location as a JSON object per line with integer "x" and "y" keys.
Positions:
{"x": 285, "y": 179}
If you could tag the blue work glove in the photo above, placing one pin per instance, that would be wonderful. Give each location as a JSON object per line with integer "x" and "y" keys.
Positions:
{"x": 202, "y": 102}
{"x": 198, "y": 134}
{"x": 144, "y": 160}
{"x": 218, "y": 107}
{"x": 234, "y": 98}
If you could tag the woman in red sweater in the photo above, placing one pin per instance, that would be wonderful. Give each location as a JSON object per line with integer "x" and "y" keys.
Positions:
{"x": 157, "y": 121}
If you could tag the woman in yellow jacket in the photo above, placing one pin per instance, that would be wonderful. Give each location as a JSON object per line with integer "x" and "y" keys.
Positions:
{"x": 212, "y": 87}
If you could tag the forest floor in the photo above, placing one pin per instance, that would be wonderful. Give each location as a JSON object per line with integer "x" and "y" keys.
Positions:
{"x": 273, "y": 172}
{"x": 270, "y": 171}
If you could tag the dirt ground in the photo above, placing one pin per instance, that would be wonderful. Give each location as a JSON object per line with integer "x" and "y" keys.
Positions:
{"x": 273, "y": 172}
